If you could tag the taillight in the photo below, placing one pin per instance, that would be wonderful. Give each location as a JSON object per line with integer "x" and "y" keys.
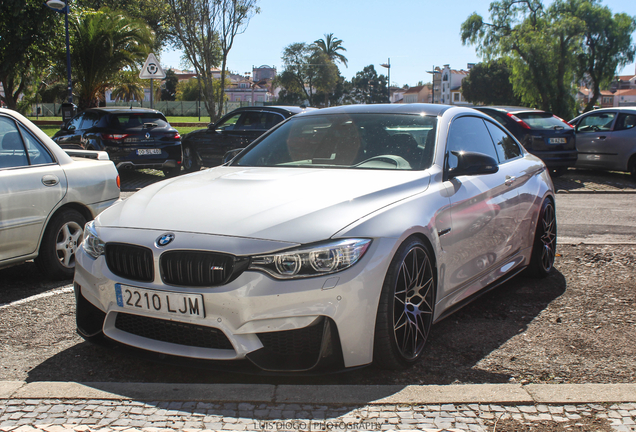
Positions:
{"x": 118, "y": 182}
{"x": 559, "y": 118}
{"x": 519, "y": 121}
{"x": 177, "y": 136}
{"x": 115, "y": 137}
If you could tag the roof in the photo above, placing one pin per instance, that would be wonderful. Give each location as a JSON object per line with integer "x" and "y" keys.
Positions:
{"x": 626, "y": 77}
{"x": 626, "y": 92}
{"x": 279, "y": 108}
{"x": 415, "y": 108}
{"x": 415, "y": 89}
{"x": 122, "y": 110}
{"x": 509, "y": 109}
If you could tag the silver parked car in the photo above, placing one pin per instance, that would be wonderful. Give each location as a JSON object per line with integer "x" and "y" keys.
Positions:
{"x": 606, "y": 139}
{"x": 336, "y": 239}
{"x": 46, "y": 196}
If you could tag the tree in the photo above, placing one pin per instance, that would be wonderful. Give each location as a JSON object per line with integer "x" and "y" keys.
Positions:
{"x": 542, "y": 45}
{"x": 128, "y": 86}
{"x": 188, "y": 90}
{"x": 607, "y": 44}
{"x": 169, "y": 86}
{"x": 105, "y": 42}
{"x": 330, "y": 45}
{"x": 194, "y": 23}
{"x": 30, "y": 35}
{"x": 234, "y": 18}
{"x": 489, "y": 83}
{"x": 367, "y": 87}
{"x": 154, "y": 13}
{"x": 308, "y": 74}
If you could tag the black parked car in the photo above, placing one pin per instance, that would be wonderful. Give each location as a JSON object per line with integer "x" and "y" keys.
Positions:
{"x": 543, "y": 134}
{"x": 206, "y": 147}
{"x": 134, "y": 138}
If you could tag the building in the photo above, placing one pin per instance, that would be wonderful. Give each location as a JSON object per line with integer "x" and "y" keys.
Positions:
{"x": 451, "y": 82}
{"x": 419, "y": 94}
{"x": 626, "y": 97}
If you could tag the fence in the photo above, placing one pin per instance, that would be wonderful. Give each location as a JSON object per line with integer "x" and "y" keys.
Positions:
{"x": 168, "y": 108}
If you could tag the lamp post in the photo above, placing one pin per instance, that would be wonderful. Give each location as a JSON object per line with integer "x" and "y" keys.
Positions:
{"x": 388, "y": 86}
{"x": 62, "y": 7}
{"x": 433, "y": 73}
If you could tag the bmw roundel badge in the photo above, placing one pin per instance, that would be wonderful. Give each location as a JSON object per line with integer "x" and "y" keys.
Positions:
{"x": 165, "y": 240}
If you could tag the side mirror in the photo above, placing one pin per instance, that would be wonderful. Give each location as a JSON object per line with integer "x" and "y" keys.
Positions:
{"x": 472, "y": 163}
{"x": 70, "y": 128}
{"x": 228, "y": 156}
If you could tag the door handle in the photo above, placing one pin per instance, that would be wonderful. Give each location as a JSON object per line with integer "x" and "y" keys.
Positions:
{"x": 510, "y": 180}
{"x": 50, "y": 180}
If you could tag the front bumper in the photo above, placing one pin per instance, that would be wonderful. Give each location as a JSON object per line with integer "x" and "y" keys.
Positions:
{"x": 291, "y": 325}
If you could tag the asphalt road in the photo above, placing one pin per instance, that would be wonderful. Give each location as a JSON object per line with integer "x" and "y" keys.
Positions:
{"x": 596, "y": 218}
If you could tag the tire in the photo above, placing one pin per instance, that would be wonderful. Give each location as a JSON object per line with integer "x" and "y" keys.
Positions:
{"x": 545, "y": 242}
{"x": 171, "y": 172}
{"x": 62, "y": 237}
{"x": 632, "y": 167}
{"x": 405, "y": 310}
{"x": 189, "y": 160}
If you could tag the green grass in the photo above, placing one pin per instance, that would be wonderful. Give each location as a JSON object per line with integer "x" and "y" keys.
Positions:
{"x": 171, "y": 119}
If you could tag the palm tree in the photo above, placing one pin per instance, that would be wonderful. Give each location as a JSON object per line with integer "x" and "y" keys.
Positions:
{"x": 105, "y": 42}
{"x": 128, "y": 86}
{"x": 330, "y": 45}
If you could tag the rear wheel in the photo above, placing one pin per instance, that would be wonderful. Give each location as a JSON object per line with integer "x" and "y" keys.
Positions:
{"x": 62, "y": 237}
{"x": 545, "y": 241}
{"x": 632, "y": 167}
{"x": 405, "y": 311}
{"x": 190, "y": 162}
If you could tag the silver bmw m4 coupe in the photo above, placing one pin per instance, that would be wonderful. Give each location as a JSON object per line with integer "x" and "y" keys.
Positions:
{"x": 336, "y": 239}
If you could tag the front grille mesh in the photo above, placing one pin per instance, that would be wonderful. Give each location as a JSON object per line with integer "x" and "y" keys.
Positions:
{"x": 130, "y": 261}
{"x": 199, "y": 269}
{"x": 173, "y": 332}
{"x": 304, "y": 342}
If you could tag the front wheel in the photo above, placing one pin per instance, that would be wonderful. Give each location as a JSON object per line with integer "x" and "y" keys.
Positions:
{"x": 190, "y": 162}
{"x": 545, "y": 242}
{"x": 405, "y": 311}
{"x": 62, "y": 237}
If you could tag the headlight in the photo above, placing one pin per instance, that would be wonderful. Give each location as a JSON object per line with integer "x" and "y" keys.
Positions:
{"x": 312, "y": 261}
{"x": 92, "y": 244}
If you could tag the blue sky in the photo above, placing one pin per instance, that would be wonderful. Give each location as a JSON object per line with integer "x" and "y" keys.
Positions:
{"x": 415, "y": 34}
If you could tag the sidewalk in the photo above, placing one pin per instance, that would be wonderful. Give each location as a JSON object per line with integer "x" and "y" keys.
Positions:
{"x": 60, "y": 406}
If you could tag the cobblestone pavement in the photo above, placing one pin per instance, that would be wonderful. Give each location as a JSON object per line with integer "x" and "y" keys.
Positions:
{"x": 573, "y": 181}
{"x": 54, "y": 415}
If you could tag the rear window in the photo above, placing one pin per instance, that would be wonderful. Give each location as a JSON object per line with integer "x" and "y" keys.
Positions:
{"x": 134, "y": 120}
{"x": 542, "y": 120}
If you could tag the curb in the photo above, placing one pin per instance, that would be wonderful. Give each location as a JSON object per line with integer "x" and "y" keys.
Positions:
{"x": 508, "y": 394}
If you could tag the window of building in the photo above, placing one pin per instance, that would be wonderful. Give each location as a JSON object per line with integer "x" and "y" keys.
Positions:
{"x": 456, "y": 97}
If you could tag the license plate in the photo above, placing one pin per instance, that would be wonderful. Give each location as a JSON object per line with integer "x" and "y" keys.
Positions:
{"x": 558, "y": 140}
{"x": 142, "y": 152}
{"x": 166, "y": 303}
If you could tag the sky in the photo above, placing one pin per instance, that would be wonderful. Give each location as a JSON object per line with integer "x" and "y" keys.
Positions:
{"x": 414, "y": 34}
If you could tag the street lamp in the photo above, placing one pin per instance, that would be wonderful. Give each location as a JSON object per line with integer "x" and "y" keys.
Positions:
{"x": 433, "y": 73}
{"x": 388, "y": 66}
{"x": 62, "y": 7}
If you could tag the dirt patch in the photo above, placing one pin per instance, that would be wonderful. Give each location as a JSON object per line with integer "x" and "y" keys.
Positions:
{"x": 585, "y": 424}
{"x": 576, "y": 326}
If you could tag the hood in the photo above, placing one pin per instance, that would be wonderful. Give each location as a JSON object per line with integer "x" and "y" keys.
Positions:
{"x": 298, "y": 205}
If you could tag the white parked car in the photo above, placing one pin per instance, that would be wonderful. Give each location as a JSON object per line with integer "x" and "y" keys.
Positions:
{"x": 46, "y": 196}
{"x": 334, "y": 240}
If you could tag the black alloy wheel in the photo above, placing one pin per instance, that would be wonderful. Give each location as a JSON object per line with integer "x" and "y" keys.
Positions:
{"x": 545, "y": 241}
{"x": 405, "y": 312}
{"x": 190, "y": 162}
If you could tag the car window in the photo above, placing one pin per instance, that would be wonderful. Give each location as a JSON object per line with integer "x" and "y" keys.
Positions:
{"x": 362, "y": 141}
{"x": 89, "y": 119}
{"x": 253, "y": 121}
{"x": 75, "y": 122}
{"x": 542, "y": 120}
{"x": 137, "y": 120}
{"x": 272, "y": 119}
{"x": 625, "y": 121}
{"x": 38, "y": 154}
{"x": 229, "y": 124}
{"x": 12, "y": 153}
{"x": 596, "y": 122}
{"x": 469, "y": 134}
{"x": 505, "y": 145}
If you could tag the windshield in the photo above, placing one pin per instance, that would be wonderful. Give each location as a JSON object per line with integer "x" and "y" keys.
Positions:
{"x": 135, "y": 120}
{"x": 543, "y": 121}
{"x": 366, "y": 141}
